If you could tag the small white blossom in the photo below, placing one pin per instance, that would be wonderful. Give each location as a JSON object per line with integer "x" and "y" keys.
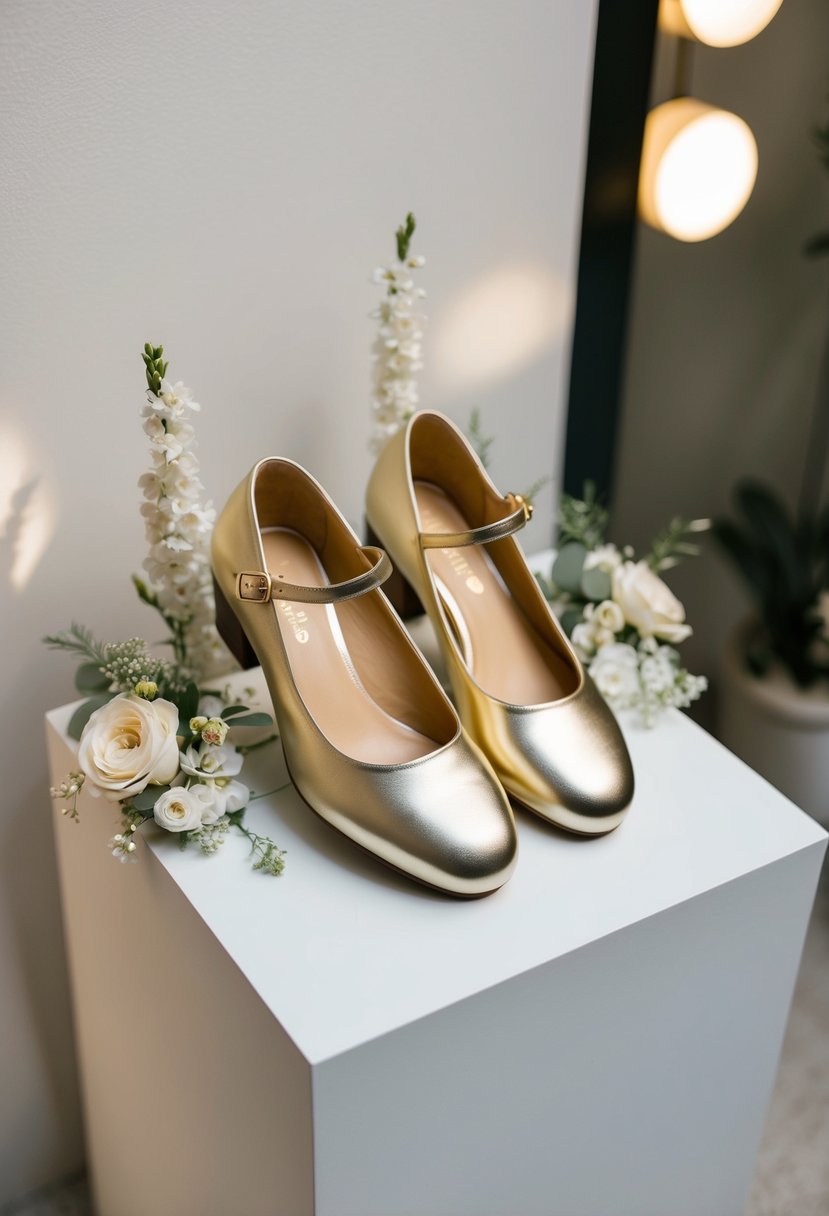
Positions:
{"x": 122, "y": 847}
{"x": 178, "y": 525}
{"x": 211, "y": 761}
{"x": 604, "y": 557}
{"x": 220, "y": 797}
{"x": 397, "y": 350}
{"x": 584, "y": 641}
{"x": 615, "y": 671}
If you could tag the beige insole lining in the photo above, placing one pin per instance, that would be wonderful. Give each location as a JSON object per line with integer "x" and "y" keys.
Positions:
{"x": 326, "y": 674}
{"x": 502, "y": 651}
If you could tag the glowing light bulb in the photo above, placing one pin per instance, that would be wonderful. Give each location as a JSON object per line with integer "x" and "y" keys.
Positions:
{"x": 699, "y": 165}
{"x": 717, "y": 22}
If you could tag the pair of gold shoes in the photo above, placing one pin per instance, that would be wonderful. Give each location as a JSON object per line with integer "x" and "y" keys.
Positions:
{"x": 371, "y": 741}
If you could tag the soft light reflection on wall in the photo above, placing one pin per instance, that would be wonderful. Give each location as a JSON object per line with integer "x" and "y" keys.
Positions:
{"x": 499, "y": 324}
{"x": 27, "y": 510}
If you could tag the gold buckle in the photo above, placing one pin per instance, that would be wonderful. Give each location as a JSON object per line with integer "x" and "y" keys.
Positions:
{"x": 526, "y": 506}
{"x": 253, "y": 585}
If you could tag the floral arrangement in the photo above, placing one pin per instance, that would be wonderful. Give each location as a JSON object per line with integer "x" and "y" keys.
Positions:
{"x": 153, "y": 739}
{"x": 623, "y": 620}
{"x": 397, "y": 351}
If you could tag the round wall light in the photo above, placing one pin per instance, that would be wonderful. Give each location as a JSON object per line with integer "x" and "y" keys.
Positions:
{"x": 717, "y": 22}
{"x": 699, "y": 165}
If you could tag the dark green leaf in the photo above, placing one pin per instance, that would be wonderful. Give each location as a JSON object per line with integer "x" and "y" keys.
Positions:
{"x": 252, "y": 720}
{"x": 146, "y": 800}
{"x": 84, "y": 712}
{"x": 568, "y": 566}
{"x": 188, "y": 705}
{"x": 231, "y": 710}
{"x": 569, "y": 619}
{"x": 89, "y": 678}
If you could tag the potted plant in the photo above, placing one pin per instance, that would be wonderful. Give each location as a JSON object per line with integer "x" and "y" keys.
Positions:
{"x": 774, "y": 703}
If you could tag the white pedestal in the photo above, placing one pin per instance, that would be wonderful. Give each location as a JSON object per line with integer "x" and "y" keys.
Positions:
{"x": 599, "y": 1038}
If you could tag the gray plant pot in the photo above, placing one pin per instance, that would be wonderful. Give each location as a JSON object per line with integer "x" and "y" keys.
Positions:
{"x": 776, "y": 727}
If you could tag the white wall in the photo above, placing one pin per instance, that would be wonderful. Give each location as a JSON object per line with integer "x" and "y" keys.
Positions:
{"x": 223, "y": 178}
{"x": 726, "y": 334}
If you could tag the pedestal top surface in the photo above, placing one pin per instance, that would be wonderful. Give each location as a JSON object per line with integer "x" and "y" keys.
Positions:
{"x": 343, "y": 950}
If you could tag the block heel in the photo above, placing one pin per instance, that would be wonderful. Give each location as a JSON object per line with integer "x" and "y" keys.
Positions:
{"x": 398, "y": 589}
{"x": 231, "y": 631}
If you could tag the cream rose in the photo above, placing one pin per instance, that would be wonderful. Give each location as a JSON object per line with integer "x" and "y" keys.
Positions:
{"x": 179, "y": 810}
{"x": 128, "y": 744}
{"x": 648, "y": 604}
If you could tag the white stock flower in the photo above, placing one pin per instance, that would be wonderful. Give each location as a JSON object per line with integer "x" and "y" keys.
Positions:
{"x": 128, "y": 744}
{"x": 178, "y": 526}
{"x": 397, "y": 350}
{"x": 210, "y": 707}
{"x": 178, "y": 398}
{"x": 179, "y": 810}
{"x": 615, "y": 671}
{"x": 648, "y": 603}
{"x": 584, "y": 641}
{"x": 220, "y": 797}
{"x": 604, "y": 557}
{"x": 211, "y": 761}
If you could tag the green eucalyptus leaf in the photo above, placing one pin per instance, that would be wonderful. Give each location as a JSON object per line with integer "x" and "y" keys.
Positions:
{"x": 84, "y": 712}
{"x": 230, "y": 711}
{"x": 146, "y": 800}
{"x": 90, "y": 678}
{"x": 252, "y": 720}
{"x": 569, "y": 619}
{"x": 568, "y": 567}
{"x": 595, "y": 584}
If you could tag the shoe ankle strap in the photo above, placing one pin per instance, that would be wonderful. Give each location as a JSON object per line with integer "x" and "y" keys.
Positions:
{"x": 260, "y": 586}
{"x": 518, "y": 517}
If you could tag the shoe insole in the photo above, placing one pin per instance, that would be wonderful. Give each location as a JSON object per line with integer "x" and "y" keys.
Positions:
{"x": 325, "y": 673}
{"x": 502, "y": 651}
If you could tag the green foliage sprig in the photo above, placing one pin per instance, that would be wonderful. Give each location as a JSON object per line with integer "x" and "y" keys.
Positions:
{"x": 155, "y": 366}
{"x": 670, "y": 546}
{"x": 480, "y": 441}
{"x": 403, "y": 236}
{"x": 582, "y": 520}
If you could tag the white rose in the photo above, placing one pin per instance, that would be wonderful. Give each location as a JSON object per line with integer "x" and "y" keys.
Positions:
{"x": 648, "y": 604}
{"x": 221, "y": 798}
{"x": 615, "y": 671}
{"x": 128, "y": 744}
{"x": 211, "y": 761}
{"x": 179, "y": 810}
{"x": 609, "y": 615}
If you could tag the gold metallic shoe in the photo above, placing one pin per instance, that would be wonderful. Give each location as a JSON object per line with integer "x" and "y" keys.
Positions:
{"x": 520, "y": 689}
{"x": 372, "y": 743}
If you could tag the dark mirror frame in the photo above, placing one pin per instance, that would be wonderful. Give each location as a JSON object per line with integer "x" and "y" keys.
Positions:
{"x": 625, "y": 40}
